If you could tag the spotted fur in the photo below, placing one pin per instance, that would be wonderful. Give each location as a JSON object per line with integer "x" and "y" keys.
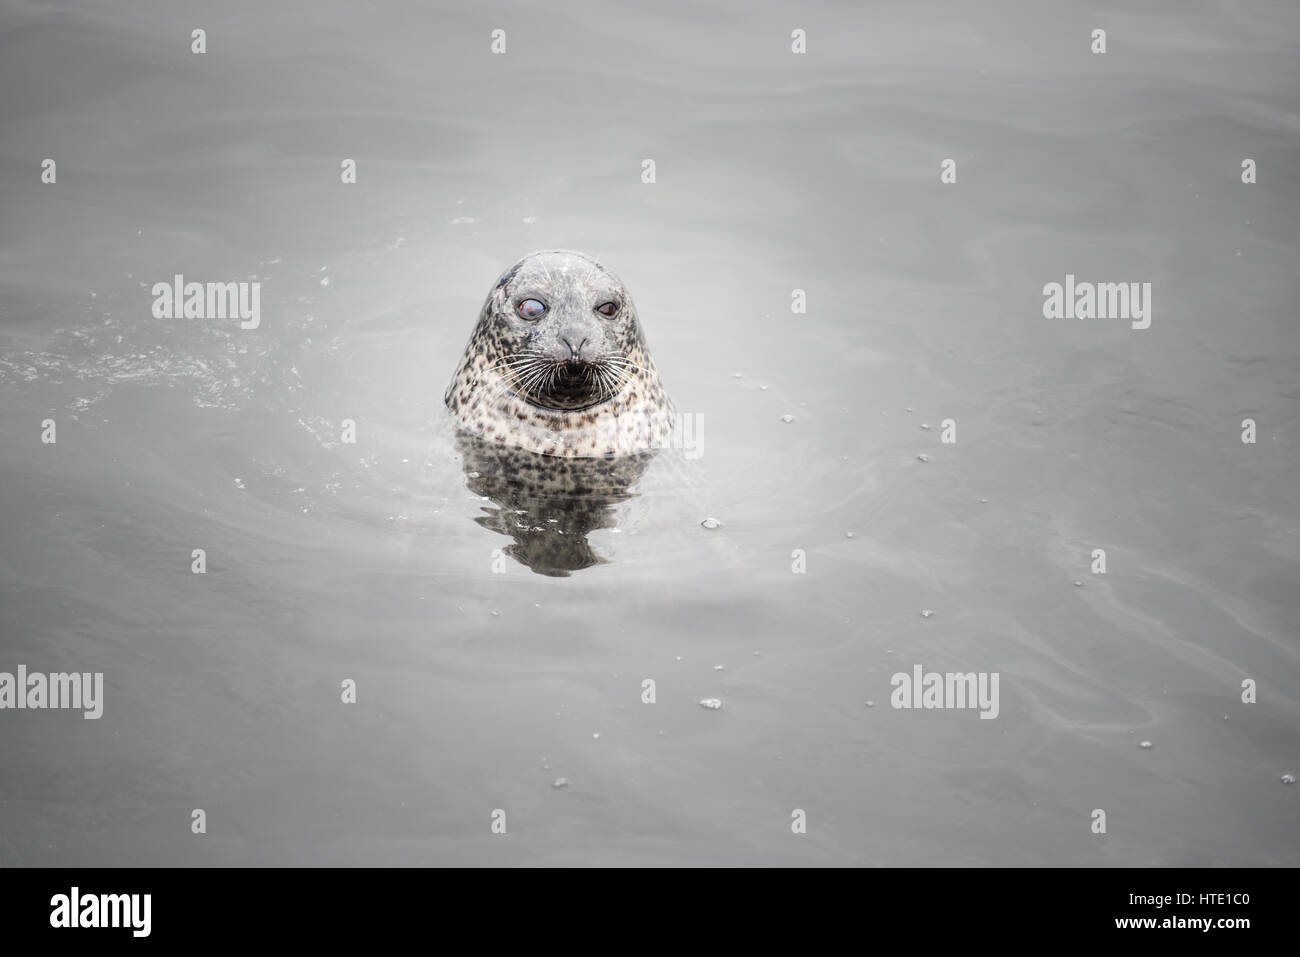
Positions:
{"x": 491, "y": 400}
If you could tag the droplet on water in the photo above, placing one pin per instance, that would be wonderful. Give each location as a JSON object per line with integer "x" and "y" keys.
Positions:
{"x": 713, "y": 704}
{"x": 710, "y": 523}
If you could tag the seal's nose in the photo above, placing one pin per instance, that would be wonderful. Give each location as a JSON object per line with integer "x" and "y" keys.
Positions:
{"x": 575, "y": 354}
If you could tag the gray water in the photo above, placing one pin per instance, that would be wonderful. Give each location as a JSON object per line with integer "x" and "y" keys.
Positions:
{"x": 479, "y": 682}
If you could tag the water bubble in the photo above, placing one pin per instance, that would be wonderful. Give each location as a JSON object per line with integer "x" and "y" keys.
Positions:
{"x": 1145, "y": 745}
{"x": 925, "y": 426}
{"x": 923, "y": 457}
{"x": 984, "y": 501}
{"x": 560, "y": 783}
{"x": 595, "y": 735}
{"x": 1078, "y": 584}
{"x": 1288, "y": 778}
{"x": 710, "y": 523}
{"x": 737, "y": 375}
{"x": 871, "y": 704}
{"x": 713, "y": 704}
{"x": 495, "y": 613}
{"x": 848, "y": 534}
{"x": 719, "y": 667}
{"x": 787, "y": 417}
{"x": 926, "y": 613}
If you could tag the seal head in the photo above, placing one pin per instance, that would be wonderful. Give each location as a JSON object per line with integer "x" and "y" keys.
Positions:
{"x": 558, "y": 364}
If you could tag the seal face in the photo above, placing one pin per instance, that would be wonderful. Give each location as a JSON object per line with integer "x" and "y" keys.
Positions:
{"x": 558, "y": 364}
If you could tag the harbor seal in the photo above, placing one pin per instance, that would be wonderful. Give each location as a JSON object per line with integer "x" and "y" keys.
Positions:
{"x": 558, "y": 364}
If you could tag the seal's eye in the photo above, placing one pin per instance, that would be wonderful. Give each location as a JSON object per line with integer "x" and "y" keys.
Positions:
{"x": 608, "y": 309}
{"x": 531, "y": 309}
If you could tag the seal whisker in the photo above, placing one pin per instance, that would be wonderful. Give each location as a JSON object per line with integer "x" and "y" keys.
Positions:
{"x": 535, "y": 376}
{"x": 627, "y": 368}
{"x": 609, "y": 385}
{"x": 515, "y": 371}
{"x": 511, "y": 364}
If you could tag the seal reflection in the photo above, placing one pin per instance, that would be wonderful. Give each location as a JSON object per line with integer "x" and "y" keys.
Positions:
{"x": 547, "y": 504}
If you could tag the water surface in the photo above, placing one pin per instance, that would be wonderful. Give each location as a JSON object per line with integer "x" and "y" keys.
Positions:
{"x": 480, "y": 681}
